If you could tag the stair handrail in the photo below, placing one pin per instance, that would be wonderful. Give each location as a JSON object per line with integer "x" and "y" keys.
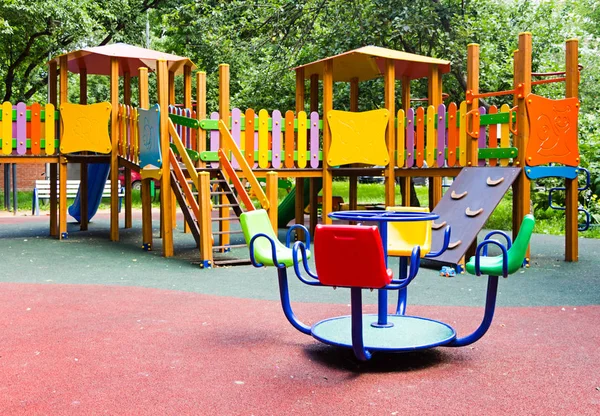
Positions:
{"x": 185, "y": 158}
{"x": 189, "y": 196}
{"x": 230, "y": 174}
{"x": 228, "y": 144}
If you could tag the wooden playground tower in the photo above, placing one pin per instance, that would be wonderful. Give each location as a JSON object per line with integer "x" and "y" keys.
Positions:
{"x": 230, "y": 147}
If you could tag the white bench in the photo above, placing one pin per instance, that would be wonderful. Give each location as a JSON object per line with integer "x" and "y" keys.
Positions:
{"x": 42, "y": 192}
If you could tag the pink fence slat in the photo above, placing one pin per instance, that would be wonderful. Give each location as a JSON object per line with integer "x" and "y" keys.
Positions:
{"x": 236, "y": 131}
{"x": 214, "y": 137}
{"x": 481, "y": 142}
{"x": 314, "y": 139}
{"x": 21, "y": 128}
{"x": 410, "y": 137}
{"x": 441, "y": 136}
{"x": 276, "y": 139}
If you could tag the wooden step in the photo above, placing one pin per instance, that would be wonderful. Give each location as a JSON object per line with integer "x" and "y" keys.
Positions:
{"x": 225, "y": 206}
{"x": 231, "y": 262}
{"x": 226, "y": 219}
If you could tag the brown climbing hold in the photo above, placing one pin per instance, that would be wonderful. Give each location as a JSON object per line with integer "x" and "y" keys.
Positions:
{"x": 436, "y": 226}
{"x": 494, "y": 182}
{"x": 454, "y": 244}
{"x": 454, "y": 195}
{"x": 473, "y": 213}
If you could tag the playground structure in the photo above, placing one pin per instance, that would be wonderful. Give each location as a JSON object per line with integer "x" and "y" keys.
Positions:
{"x": 200, "y": 158}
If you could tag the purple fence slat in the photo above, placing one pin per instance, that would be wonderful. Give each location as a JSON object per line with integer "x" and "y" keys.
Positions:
{"x": 21, "y": 129}
{"x": 410, "y": 137}
{"x": 481, "y": 142}
{"x": 276, "y": 139}
{"x": 314, "y": 139}
{"x": 188, "y": 131}
{"x": 236, "y": 131}
{"x": 441, "y": 132}
{"x": 214, "y": 137}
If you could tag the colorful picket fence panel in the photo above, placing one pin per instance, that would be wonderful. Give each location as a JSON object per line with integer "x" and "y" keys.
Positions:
{"x": 128, "y": 142}
{"x": 27, "y": 131}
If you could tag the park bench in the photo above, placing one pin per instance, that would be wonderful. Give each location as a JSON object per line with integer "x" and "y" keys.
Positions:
{"x": 42, "y": 192}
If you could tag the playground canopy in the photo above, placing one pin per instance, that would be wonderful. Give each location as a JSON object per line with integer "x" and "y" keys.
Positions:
{"x": 97, "y": 59}
{"x": 368, "y": 62}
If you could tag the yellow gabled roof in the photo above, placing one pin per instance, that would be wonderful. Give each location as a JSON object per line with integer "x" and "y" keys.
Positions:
{"x": 368, "y": 62}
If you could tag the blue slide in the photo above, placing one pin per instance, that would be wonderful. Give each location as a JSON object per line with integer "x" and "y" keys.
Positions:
{"x": 97, "y": 176}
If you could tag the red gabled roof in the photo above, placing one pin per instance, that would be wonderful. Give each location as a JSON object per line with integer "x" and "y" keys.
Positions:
{"x": 97, "y": 59}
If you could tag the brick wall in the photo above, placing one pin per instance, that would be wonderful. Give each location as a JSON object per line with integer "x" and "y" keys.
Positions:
{"x": 26, "y": 175}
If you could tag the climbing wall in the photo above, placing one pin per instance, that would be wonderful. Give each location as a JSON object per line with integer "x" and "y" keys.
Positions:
{"x": 467, "y": 205}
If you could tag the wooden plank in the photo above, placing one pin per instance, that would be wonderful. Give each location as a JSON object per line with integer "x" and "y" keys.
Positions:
{"x": 473, "y": 86}
{"x": 431, "y": 136}
{"x": 263, "y": 139}
{"x": 462, "y": 135}
{"x": 452, "y": 135}
{"x": 7, "y": 133}
{"x": 314, "y": 139}
{"x": 504, "y": 134}
{"x": 249, "y": 137}
{"x": 493, "y": 136}
{"x": 276, "y": 139}
{"x": 36, "y": 129}
{"x": 420, "y": 123}
{"x": 302, "y": 139}
{"x": 236, "y": 132}
{"x": 200, "y": 113}
{"x": 481, "y": 142}
{"x": 272, "y": 197}
{"x": 400, "y": 141}
{"x": 289, "y": 139}
{"x": 21, "y": 129}
{"x": 441, "y": 136}
{"x": 114, "y": 163}
{"x": 410, "y": 137}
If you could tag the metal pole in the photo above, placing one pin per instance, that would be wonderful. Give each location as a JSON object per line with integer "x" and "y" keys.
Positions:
{"x": 14, "y": 188}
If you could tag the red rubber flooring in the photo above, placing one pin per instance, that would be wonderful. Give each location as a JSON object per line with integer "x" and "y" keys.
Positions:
{"x": 128, "y": 351}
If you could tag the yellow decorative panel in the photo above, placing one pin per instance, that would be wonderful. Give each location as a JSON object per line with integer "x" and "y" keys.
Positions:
{"x": 85, "y": 128}
{"x": 358, "y": 137}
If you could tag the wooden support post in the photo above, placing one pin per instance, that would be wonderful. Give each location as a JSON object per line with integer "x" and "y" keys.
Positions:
{"x": 435, "y": 99}
{"x": 472, "y": 143}
{"x": 114, "y": 161}
{"x": 62, "y": 177}
{"x": 300, "y": 203}
{"x": 201, "y": 113}
{"x": 166, "y": 197}
{"x": 62, "y": 191}
{"x": 572, "y": 197}
{"x": 205, "y": 220}
{"x": 224, "y": 226}
{"x": 313, "y": 191}
{"x": 389, "y": 79}
{"x": 272, "y": 188}
{"x": 145, "y": 191}
{"x": 53, "y": 79}
{"x": 473, "y": 86}
{"x": 83, "y": 173}
{"x": 127, "y": 184}
{"x": 171, "y": 88}
{"x": 522, "y": 186}
{"x": 327, "y": 107}
{"x": 353, "y": 182}
{"x": 405, "y": 180}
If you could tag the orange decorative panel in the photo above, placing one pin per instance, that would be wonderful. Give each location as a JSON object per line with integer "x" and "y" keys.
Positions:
{"x": 553, "y": 131}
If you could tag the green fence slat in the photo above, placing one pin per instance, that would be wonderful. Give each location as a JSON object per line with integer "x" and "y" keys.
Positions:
{"x": 184, "y": 121}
